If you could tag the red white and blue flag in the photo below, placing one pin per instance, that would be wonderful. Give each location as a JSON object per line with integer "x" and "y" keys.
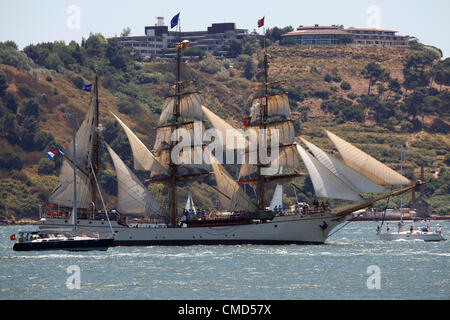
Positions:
{"x": 51, "y": 154}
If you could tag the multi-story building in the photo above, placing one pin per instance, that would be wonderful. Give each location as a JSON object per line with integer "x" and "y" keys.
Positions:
{"x": 332, "y": 35}
{"x": 159, "y": 40}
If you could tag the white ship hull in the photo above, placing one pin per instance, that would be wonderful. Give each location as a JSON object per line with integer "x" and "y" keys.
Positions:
{"x": 298, "y": 229}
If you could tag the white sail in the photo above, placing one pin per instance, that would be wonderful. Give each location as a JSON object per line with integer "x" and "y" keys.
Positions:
{"x": 143, "y": 158}
{"x": 286, "y": 132}
{"x": 365, "y": 164}
{"x": 164, "y": 134}
{"x": 190, "y": 108}
{"x": 231, "y": 195}
{"x": 357, "y": 181}
{"x": 63, "y": 193}
{"x": 133, "y": 196}
{"x": 190, "y": 204}
{"x": 278, "y": 105}
{"x": 225, "y": 129}
{"x": 325, "y": 183}
{"x": 277, "y": 199}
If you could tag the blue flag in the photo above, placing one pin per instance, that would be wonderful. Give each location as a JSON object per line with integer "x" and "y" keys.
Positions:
{"x": 174, "y": 21}
{"x": 88, "y": 87}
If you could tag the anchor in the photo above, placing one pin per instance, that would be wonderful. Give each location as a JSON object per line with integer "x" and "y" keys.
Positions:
{"x": 324, "y": 225}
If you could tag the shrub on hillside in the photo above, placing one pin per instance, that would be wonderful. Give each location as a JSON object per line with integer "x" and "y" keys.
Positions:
{"x": 11, "y": 57}
{"x": 10, "y": 161}
{"x": 42, "y": 140}
{"x": 322, "y": 94}
{"x": 327, "y": 78}
{"x": 150, "y": 77}
{"x": 211, "y": 65}
{"x": 10, "y": 101}
{"x": 78, "y": 82}
{"x": 3, "y": 84}
{"x": 337, "y": 79}
{"x": 126, "y": 107}
{"x": 345, "y": 86}
{"x": 46, "y": 167}
{"x": 26, "y": 90}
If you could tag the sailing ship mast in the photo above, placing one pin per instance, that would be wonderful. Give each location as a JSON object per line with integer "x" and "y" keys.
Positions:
{"x": 75, "y": 204}
{"x": 182, "y": 110}
{"x": 273, "y": 113}
{"x": 263, "y": 125}
{"x": 95, "y": 148}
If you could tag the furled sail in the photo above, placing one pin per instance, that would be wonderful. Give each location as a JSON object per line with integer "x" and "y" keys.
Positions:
{"x": 278, "y": 105}
{"x": 143, "y": 158}
{"x": 225, "y": 129}
{"x": 357, "y": 181}
{"x": 133, "y": 196}
{"x": 231, "y": 195}
{"x": 365, "y": 164}
{"x": 325, "y": 183}
{"x": 85, "y": 136}
{"x": 190, "y": 108}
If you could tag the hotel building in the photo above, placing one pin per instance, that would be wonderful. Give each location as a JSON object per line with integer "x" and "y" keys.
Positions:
{"x": 332, "y": 35}
{"x": 159, "y": 40}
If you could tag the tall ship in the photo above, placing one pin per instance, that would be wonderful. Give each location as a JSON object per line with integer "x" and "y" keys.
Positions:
{"x": 271, "y": 157}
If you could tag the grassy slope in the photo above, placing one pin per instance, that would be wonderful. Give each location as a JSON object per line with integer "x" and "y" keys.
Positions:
{"x": 230, "y": 98}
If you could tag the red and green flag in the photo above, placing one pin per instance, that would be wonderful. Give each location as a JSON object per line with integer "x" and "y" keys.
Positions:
{"x": 247, "y": 121}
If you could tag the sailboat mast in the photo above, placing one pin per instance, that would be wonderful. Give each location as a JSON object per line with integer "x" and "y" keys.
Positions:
{"x": 176, "y": 115}
{"x": 95, "y": 147}
{"x": 75, "y": 200}
{"x": 263, "y": 125}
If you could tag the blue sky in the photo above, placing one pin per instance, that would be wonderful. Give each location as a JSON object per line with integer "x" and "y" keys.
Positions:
{"x": 31, "y": 21}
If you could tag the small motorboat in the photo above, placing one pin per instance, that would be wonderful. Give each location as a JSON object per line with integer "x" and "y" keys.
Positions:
{"x": 57, "y": 240}
{"x": 423, "y": 233}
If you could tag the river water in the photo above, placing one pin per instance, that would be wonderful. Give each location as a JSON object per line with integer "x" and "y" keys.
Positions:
{"x": 353, "y": 264}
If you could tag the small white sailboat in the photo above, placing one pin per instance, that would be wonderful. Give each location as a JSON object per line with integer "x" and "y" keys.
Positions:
{"x": 62, "y": 239}
{"x": 423, "y": 233}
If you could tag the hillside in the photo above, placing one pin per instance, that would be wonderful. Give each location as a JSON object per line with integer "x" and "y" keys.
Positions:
{"x": 327, "y": 86}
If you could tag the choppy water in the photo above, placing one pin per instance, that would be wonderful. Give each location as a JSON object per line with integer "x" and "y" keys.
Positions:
{"x": 336, "y": 270}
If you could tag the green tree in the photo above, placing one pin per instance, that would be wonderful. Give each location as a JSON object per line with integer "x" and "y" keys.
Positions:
{"x": 30, "y": 107}
{"x": 78, "y": 82}
{"x": 3, "y": 84}
{"x": 10, "y": 161}
{"x": 94, "y": 45}
{"x": 416, "y": 69}
{"x": 345, "y": 38}
{"x": 441, "y": 72}
{"x": 46, "y": 167}
{"x": 234, "y": 48}
{"x": 117, "y": 54}
{"x": 194, "y": 52}
{"x": 10, "y": 101}
{"x": 275, "y": 33}
{"x": 345, "y": 86}
{"x": 125, "y": 32}
{"x": 373, "y": 72}
{"x": 42, "y": 140}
